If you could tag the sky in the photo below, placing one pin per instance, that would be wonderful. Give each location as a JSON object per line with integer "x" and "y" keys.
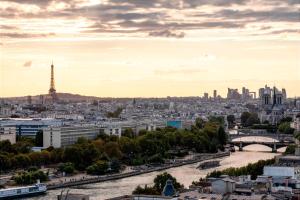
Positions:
{"x": 148, "y": 48}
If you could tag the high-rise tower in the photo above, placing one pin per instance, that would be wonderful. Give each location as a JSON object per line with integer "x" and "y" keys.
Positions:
{"x": 52, "y": 91}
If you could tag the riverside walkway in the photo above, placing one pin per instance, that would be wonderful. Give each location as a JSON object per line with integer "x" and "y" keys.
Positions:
{"x": 97, "y": 179}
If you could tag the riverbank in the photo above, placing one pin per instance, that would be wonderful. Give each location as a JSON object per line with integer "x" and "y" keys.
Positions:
{"x": 185, "y": 174}
{"x": 97, "y": 179}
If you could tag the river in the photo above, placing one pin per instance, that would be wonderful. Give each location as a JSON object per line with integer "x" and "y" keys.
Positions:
{"x": 184, "y": 174}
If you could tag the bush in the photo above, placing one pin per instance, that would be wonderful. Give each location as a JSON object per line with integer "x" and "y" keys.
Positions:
{"x": 67, "y": 167}
{"x": 98, "y": 168}
{"x": 30, "y": 177}
{"x": 290, "y": 149}
{"x": 286, "y": 128}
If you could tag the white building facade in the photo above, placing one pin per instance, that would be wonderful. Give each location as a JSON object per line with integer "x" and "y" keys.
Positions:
{"x": 8, "y": 133}
{"x": 64, "y": 136}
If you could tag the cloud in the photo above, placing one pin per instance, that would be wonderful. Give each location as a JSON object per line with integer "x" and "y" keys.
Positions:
{"x": 167, "y": 33}
{"x": 27, "y": 64}
{"x": 285, "y": 31}
{"x": 8, "y": 27}
{"x": 26, "y": 35}
{"x": 273, "y": 15}
{"x": 152, "y": 18}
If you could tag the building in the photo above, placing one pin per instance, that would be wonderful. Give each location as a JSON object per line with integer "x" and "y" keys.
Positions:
{"x": 215, "y": 94}
{"x": 113, "y": 130}
{"x": 283, "y": 177}
{"x": 233, "y": 94}
{"x": 175, "y": 123}
{"x": 29, "y": 127}
{"x": 205, "y": 96}
{"x": 6, "y": 110}
{"x": 223, "y": 186}
{"x": 67, "y": 135}
{"x": 283, "y": 171}
{"x": 272, "y": 104}
{"x": 8, "y": 133}
{"x": 270, "y": 97}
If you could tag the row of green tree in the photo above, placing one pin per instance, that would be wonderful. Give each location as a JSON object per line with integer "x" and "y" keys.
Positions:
{"x": 253, "y": 169}
{"x": 106, "y": 153}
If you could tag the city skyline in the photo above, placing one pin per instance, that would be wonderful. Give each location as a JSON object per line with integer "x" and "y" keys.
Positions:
{"x": 115, "y": 48}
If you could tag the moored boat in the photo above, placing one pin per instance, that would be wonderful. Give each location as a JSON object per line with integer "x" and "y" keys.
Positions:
{"x": 18, "y": 192}
{"x": 209, "y": 164}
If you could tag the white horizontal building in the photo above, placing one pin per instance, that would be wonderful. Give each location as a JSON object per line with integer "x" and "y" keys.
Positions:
{"x": 8, "y": 133}
{"x": 68, "y": 135}
{"x": 280, "y": 171}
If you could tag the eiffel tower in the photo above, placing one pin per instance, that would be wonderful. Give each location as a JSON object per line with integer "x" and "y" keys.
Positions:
{"x": 52, "y": 90}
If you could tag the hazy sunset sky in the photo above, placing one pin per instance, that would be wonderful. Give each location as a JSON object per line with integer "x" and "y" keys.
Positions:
{"x": 149, "y": 48}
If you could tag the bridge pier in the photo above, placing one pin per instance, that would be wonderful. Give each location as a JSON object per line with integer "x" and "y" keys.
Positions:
{"x": 274, "y": 149}
{"x": 241, "y": 146}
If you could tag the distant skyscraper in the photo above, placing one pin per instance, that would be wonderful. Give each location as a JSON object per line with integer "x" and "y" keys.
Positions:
{"x": 52, "y": 90}
{"x": 215, "y": 94}
{"x": 233, "y": 94}
{"x": 205, "y": 95}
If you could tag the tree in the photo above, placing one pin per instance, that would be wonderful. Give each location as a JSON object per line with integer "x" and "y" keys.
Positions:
{"x": 161, "y": 179}
{"x": 128, "y": 147}
{"x": 286, "y": 128}
{"x": 128, "y": 132}
{"x": 66, "y": 167}
{"x": 231, "y": 120}
{"x": 253, "y": 119}
{"x": 115, "y": 165}
{"x": 146, "y": 190}
{"x": 98, "y": 168}
{"x": 56, "y": 155}
{"x": 23, "y": 145}
{"x": 90, "y": 154}
{"x": 5, "y": 163}
{"x": 74, "y": 154}
{"x": 112, "y": 150}
{"x": 22, "y": 161}
{"x": 249, "y": 119}
{"x": 222, "y": 135}
{"x": 217, "y": 119}
{"x": 35, "y": 158}
{"x": 156, "y": 158}
{"x": 290, "y": 149}
{"x": 286, "y": 119}
{"x": 82, "y": 141}
{"x": 244, "y": 118}
{"x": 199, "y": 122}
{"x": 6, "y": 146}
{"x": 30, "y": 177}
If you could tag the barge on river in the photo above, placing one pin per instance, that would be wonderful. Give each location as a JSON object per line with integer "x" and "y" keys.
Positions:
{"x": 19, "y": 192}
{"x": 209, "y": 164}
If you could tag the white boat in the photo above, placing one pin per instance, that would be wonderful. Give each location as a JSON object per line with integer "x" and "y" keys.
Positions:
{"x": 17, "y": 192}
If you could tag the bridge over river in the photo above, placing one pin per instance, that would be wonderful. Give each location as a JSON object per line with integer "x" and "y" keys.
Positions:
{"x": 245, "y": 137}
